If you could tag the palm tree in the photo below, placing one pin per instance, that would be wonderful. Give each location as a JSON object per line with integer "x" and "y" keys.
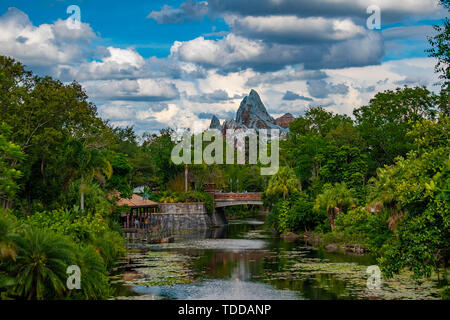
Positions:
{"x": 383, "y": 189}
{"x": 95, "y": 282}
{"x": 41, "y": 264}
{"x": 87, "y": 164}
{"x": 334, "y": 199}
{"x": 284, "y": 183}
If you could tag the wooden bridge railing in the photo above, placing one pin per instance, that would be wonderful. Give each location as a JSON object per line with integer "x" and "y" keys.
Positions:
{"x": 237, "y": 196}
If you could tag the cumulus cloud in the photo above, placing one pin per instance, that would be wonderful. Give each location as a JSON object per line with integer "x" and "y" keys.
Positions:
{"x": 234, "y": 53}
{"x": 115, "y": 63}
{"x": 117, "y": 112}
{"x": 188, "y": 11}
{"x": 44, "y": 46}
{"x": 132, "y": 90}
{"x": 174, "y": 116}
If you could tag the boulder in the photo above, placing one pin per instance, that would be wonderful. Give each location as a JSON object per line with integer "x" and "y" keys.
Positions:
{"x": 354, "y": 248}
{"x": 331, "y": 247}
{"x": 290, "y": 236}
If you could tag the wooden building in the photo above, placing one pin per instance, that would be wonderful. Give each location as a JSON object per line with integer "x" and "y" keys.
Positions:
{"x": 138, "y": 214}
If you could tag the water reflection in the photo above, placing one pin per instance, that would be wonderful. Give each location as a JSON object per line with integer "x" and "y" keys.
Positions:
{"x": 243, "y": 261}
{"x": 220, "y": 290}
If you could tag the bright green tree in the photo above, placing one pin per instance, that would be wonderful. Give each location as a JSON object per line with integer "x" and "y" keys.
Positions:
{"x": 283, "y": 184}
{"x": 334, "y": 199}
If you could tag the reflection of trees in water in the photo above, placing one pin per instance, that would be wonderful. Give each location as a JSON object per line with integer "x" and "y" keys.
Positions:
{"x": 235, "y": 265}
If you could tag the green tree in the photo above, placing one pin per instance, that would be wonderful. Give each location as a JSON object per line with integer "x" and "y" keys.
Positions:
{"x": 87, "y": 164}
{"x": 384, "y": 123}
{"x": 10, "y": 154}
{"x": 420, "y": 184}
{"x": 334, "y": 199}
{"x": 282, "y": 184}
{"x": 159, "y": 147}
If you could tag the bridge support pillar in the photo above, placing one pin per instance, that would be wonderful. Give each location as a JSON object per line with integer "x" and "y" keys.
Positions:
{"x": 218, "y": 217}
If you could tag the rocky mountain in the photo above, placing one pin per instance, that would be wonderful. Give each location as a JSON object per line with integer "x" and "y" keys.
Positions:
{"x": 252, "y": 114}
{"x": 285, "y": 120}
{"x": 215, "y": 123}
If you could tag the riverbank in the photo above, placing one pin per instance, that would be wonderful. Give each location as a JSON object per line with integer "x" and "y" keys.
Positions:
{"x": 318, "y": 240}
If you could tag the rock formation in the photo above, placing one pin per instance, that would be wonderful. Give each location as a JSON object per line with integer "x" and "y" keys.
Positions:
{"x": 252, "y": 114}
{"x": 215, "y": 123}
{"x": 285, "y": 120}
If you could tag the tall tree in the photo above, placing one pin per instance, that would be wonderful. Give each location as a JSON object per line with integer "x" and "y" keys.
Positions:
{"x": 87, "y": 164}
{"x": 384, "y": 123}
{"x": 283, "y": 184}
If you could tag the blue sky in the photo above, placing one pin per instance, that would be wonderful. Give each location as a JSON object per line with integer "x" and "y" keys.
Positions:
{"x": 153, "y": 64}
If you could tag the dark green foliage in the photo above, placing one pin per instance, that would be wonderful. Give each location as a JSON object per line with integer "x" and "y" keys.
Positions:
{"x": 295, "y": 214}
{"x": 384, "y": 123}
{"x": 360, "y": 226}
{"x": 41, "y": 263}
{"x": 94, "y": 281}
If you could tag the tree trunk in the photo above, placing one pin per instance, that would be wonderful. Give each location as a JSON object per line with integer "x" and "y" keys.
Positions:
{"x": 331, "y": 218}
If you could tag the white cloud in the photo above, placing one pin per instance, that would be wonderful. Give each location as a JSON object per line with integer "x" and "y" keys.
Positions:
{"x": 116, "y": 64}
{"x": 223, "y": 52}
{"x": 117, "y": 112}
{"x": 46, "y": 45}
{"x": 237, "y": 53}
{"x": 132, "y": 90}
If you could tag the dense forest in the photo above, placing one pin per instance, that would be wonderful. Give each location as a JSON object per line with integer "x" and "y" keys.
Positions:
{"x": 379, "y": 177}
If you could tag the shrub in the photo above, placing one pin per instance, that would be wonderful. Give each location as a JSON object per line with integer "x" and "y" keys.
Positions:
{"x": 111, "y": 246}
{"x": 65, "y": 222}
{"x": 294, "y": 214}
{"x": 41, "y": 264}
{"x": 370, "y": 229}
{"x": 94, "y": 281}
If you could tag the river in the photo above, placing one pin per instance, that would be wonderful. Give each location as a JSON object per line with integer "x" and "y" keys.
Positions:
{"x": 245, "y": 261}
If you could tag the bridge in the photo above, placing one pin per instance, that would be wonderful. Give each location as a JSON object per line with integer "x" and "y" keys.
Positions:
{"x": 222, "y": 200}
